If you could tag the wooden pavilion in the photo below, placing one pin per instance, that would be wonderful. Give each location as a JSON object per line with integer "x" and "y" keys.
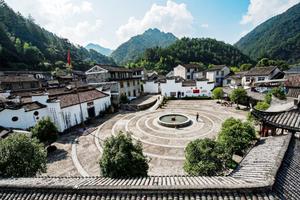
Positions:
{"x": 273, "y": 123}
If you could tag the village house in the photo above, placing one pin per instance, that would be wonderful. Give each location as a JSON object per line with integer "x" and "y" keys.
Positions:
{"x": 19, "y": 82}
{"x": 234, "y": 79}
{"x": 178, "y": 87}
{"x": 217, "y": 73}
{"x": 188, "y": 71}
{"x": 126, "y": 81}
{"x": 261, "y": 74}
{"x": 65, "y": 108}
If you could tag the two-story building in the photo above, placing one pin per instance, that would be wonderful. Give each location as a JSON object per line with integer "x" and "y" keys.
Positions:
{"x": 217, "y": 73}
{"x": 261, "y": 74}
{"x": 123, "y": 81}
{"x": 188, "y": 71}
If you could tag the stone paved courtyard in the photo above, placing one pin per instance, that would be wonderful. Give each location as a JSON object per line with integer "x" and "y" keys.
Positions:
{"x": 164, "y": 146}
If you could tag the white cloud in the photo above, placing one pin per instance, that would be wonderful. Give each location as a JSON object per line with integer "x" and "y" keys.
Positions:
{"x": 66, "y": 18}
{"x": 172, "y": 17}
{"x": 261, "y": 10}
{"x": 204, "y": 25}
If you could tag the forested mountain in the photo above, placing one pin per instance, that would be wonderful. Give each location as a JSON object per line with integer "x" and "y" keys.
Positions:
{"x": 25, "y": 45}
{"x": 204, "y": 51}
{"x": 135, "y": 47}
{"x": 99, "y": 49}
{"x": 277, "y": 38}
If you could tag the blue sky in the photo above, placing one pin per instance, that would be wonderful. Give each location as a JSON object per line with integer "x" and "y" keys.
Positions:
{"x": 111, "y": 22}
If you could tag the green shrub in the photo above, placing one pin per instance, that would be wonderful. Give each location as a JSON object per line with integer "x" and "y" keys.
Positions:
{"x": 45, "y": 131}
{"x": 236, "y": 136}
{"x": 21, "y": 156}
{"x": 218, "y": 93}
{"x": 124, "y": 99}
{"x": 239, "y": 96}
{"x": 262, "y": 105}
{"x": 279, "y": 93}
{"x": 268, "y": 97}
{"x": 123, "y": 159}
{"x": 205, "y": 157}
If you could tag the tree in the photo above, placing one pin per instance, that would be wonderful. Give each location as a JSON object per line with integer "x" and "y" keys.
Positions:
{"x": 21, "y": 156}
{"x": 279, "y": 93}
{"x": 239, "y": 95}
{"x": 122, "y": 158}
{"x": 236, "y": 136}
{"x": 45, "y": 131}
{"x": 268, "y": 97}
{"x": 205, "y": 157}
{"x": 246, "y": 67}
{"x": 218, "y": 93}
{"x": 262, "y": 105}
{"x": 124, "y": 99}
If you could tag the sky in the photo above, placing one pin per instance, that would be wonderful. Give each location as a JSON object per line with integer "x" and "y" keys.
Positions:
{"x": 112, "y": 22}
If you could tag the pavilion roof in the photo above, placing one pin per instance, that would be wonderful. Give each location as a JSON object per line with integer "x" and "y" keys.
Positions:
{"x": 289, "y": 119}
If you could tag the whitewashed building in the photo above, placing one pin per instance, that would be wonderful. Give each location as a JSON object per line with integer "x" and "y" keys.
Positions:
{"x": 217, "y": 73}
{"x": 65, "y": 109}
{"x": 261, "y": 74}
{"x": 188, "y": 71}
{"x": 178, "y": 87}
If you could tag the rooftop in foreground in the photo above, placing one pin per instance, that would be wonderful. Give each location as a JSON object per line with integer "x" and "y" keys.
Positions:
{"x": 255, "y": 178}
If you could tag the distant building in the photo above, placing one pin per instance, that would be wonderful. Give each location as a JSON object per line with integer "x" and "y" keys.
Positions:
{"x": 65, "y": 108}
{"x": 293, "y": 85}
{"x": 217, "y": 73}
{"x": 178, "y": 87}
{"x": 261, "y": 74}
{"x": 19, "y": 82}
{"x": 188, "y": 71}
{"x": 234, "y": 79}
{"x": 128, "y": 81}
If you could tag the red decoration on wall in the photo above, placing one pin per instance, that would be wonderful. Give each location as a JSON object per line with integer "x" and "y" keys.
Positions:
{"x": 197, "y": 91}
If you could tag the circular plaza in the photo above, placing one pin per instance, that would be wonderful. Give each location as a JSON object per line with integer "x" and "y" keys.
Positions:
{"x": 163, "y": 145}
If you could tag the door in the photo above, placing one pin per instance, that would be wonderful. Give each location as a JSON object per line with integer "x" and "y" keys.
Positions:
{"x": 91, "y": 112}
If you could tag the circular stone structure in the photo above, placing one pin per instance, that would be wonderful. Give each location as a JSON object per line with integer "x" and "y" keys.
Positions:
{"x": 174, "y": 120}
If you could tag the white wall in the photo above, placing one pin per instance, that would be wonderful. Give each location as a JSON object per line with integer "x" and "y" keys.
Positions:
{"x": 180, "y": 71}
{"x": 171, "y": 86}
{"x": 211, "y": 76}
{"x": 25, "y": 119}
{"x": 151, "y": 87}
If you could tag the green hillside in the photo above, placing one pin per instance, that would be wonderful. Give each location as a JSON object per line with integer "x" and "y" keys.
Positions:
{"x": 188, "y": 50}
{"x": 136, "y": 46}
{"x": 26, "y": 45}
{"x": 277, "y": 38}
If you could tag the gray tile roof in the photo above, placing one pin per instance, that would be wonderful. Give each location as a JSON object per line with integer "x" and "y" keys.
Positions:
{"x": 260, "y": 71}
{"x": 287, "y": 180}
{"x": 289, "y": 120}
{"x": 245, "y": 183}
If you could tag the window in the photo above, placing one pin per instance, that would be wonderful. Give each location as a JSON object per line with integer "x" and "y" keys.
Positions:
{"x": 21, "y": 86}
{"x": 36, "y": 113}
{"x": 128, "y": 84}
{"x": 248, "y": 79}
{"x": 133, "y": 82}
{"x": 217, "y": 73}
{"x": 260, "y": 78}
{"x": 228, "y": 81}
{"x": 121, "y": 84}
{"x": 129, "y": 94}
{"x": 14, "y": 119}
{"x": 188, "y": 77}
{"x": 222, "y": 73}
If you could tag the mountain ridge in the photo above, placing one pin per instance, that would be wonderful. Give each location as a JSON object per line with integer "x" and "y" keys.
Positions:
{"x": 136, "y": 45}
{"x": 276, "y": 38}
{"x": 100, "y": 49}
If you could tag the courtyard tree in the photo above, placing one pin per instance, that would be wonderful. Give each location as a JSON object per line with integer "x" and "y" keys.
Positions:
{"x": 218, "y": 93}
{"x": 21, "y": 156}
{"x": 262, "y": 105}
{"x": 236, "y": 136}
{"x": 124, "y": 99}
{"x": 122, "y": 158}
{"x": 279, "y": 93}
{"x": 205, "y": 157}
{"x": 45, "y": 131}
{"x": 238, "y": 96}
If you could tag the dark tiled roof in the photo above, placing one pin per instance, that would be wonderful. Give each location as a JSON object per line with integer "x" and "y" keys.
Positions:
{"x": 188, "y": 83}
{"x": 293, "y": 70}
{"x": 287, "y": 180}
{"x": 71, "y": 99}
{"x": 216, "y": 68}
{"x": 189, "y": 66}
{"x": 289, "y": 120}
{"x": 33, "y": 106}
{"x": 112, "y": 68}
{"x": 16, "y": 79}
{"x": 261, "y": 71}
